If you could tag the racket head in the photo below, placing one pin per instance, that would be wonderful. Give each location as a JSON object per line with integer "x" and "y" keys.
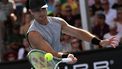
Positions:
{"x": 36, "y": 58}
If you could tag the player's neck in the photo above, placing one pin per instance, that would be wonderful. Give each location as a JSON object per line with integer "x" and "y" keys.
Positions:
{"x": 43, "y": 22}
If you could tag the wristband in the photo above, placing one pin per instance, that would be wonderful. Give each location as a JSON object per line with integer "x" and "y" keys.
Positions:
{"x": 65, "y": 55}
{"x": 95, "y": 41}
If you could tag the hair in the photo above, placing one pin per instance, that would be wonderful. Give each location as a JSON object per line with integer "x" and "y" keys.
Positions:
{"x": 101, "y": 15}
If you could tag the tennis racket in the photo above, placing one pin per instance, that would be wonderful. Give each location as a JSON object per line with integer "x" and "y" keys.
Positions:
{"x": 36, "y": 58}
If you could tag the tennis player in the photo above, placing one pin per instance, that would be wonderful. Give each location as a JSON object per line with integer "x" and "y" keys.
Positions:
{"x": 44, "y": 32}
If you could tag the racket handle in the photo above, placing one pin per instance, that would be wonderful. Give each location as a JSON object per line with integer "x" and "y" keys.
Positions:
{"x": 66, "y": 60}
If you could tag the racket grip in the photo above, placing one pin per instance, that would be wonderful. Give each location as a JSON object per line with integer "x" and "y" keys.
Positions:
{"x": 66, "y": 60}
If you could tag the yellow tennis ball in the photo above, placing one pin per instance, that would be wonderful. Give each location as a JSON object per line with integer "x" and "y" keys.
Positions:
{"x": 48, "y": 56}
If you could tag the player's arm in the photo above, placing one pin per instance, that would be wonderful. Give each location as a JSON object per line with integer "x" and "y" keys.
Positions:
{"x": 37, "y": 41}
{"x": 87, "y": 36}
{"x": 76, "y": 32}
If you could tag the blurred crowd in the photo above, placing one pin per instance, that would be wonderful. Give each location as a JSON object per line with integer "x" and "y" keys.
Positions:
{"x": 105, "y": 17}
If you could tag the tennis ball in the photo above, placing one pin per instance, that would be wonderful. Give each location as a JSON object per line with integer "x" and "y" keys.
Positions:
{"x": 48, "y": 56}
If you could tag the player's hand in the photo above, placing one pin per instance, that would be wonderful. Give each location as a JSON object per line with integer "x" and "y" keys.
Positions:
{"x": 74, "y": 59}
{"x": 112, "y": 42}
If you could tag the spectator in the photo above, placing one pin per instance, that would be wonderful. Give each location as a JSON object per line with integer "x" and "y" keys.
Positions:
{"x": 9, "y": 24}
{"x": 66, "y": 13}
{"x": 51, "y": 7}
{"x": 117, "y": 5}
{"x": 57, "y": 11}
{"x": 91, "y": 16}
{"x": 90, "y": 2}
{"x": 15, "y": 35}
{"x": 6, "y": 7}
{"x": 77, "y": 8}
{"x": 66, "y": 43}
{"x": 10, "y": 56}
{"x": 112, "y": 2}
{"x": 118, "y": 22}
{"x": 74, "y": 6}
{"x": 11, "y": 20}
{"x": 12, "y": 52}
{"x": 23, "y": 30}
{"x": 101, "y": 27}
{"x": 96, "y": 6}
{"x": 110, "y": 13}
{"x": 26, "y": 23}
{"x": 77, "y": 21}
{"x": 76, "y": 45}
{"x": 20, "y": 4}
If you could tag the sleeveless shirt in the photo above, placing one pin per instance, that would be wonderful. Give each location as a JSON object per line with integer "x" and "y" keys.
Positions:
{"x": 50, "y": 32}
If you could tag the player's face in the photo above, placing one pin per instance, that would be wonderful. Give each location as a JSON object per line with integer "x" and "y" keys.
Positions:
{"x": 40, "y": 14}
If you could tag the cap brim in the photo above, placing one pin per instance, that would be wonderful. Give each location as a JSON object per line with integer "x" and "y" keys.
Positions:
{"x": 45, "y": 6}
